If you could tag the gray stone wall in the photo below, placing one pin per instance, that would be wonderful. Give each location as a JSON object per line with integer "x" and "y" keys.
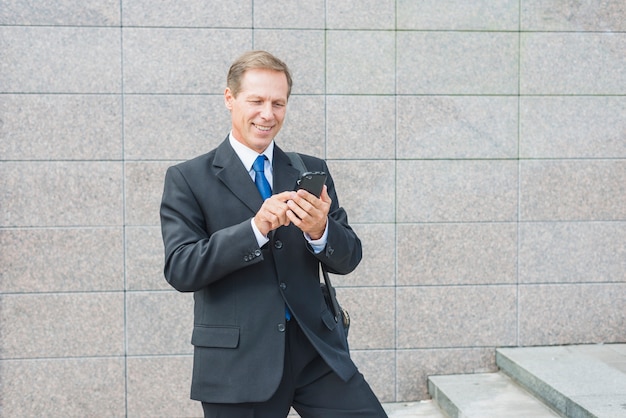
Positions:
{"x": 478, "y": 146}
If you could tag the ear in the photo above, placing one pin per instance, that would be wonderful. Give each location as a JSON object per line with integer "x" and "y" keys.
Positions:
{"x": 228, "y": 99}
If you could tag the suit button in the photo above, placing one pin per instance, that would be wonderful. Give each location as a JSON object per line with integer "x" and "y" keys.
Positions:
{"x": 281, "y": 327}
{"x": 283, "y": 285}
{"x": 257, "y": 253}
{"x": 246, "y": 258}
{"x": 278, "y": 244}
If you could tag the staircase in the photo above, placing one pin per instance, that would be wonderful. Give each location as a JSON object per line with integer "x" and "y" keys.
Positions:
{"x": 580, "y": 381}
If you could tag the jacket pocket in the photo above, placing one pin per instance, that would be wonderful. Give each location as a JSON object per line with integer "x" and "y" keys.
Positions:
{"x": 219, "y": 337}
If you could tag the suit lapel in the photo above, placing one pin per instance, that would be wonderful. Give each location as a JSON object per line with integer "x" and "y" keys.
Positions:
{"x": 285, "y": 175}
{"x": 230, "y": 170}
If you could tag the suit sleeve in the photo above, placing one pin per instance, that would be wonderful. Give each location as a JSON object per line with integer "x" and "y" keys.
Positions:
{"x": 343, "y": 250}
{"x": 193, "y": 258}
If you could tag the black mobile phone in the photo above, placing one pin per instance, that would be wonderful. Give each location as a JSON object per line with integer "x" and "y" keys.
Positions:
{"x": 312, "y": 182}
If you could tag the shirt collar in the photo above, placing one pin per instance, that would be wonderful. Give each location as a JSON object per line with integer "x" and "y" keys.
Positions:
{"x": 247, "y": 155}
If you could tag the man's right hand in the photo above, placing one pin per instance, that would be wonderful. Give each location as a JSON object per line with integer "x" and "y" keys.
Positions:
{"x": 273, "y": 213}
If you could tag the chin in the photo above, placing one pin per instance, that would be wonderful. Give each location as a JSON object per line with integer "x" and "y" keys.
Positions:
{"x": 260, "y": 145}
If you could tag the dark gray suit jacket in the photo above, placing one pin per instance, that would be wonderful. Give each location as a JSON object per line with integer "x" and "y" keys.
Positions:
{"x": 241, "y": 289}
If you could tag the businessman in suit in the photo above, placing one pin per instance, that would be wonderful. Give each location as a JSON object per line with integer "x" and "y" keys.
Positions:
{"x": 264, "y": 338}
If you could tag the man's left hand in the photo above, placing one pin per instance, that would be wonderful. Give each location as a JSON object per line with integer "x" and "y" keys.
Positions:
{"x": 309, "y": 213}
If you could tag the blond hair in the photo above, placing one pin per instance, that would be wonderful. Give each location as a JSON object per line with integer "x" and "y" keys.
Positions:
{"x": 255, "y": 60}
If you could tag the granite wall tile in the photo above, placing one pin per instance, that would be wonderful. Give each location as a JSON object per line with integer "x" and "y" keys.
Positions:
{"x": 159, "y": 387}
{"x": 461, "y": 191}
{"x": 71, "y": 387}
{"x": 456, "y": 316}
{"x": 366, "y": 189}
{"x": 457, "y": 127}
{"x": 572, "y": 252}
{"x": 61, "y": 12}
{"x": 572, "y": 314}
{"x": 379, "y": 369}
{"x": 378, "y": 265}
{"x": 188, "y": 13}
{"x": 573, "y": 63}
{"x": 61, "y": 260}
{"x": 307, "y": 68}
{"x": 573, "y": 127}
{"x": 282, "y": 14}
{"x": 361, "y": 127}
{"x": 580, "y": 16}
{"x": 145, "y": 259}
{"x": 85, "y": 86}
{"x": 474, "y": 253}
{"x": 67, "y": 127}
{"x": 457, "y": 15}
{"x": 175, "y": 60}
{"x": 372, "y": 316}
{"x": 369, "y": 14}
{"x": 304, "y": 129}
{"x": 360, "y": 62}
{"x": 61, "y": 194}
{"x": 144, "y": 190}
{"x": 457, "y": 63}
{"x": 174, "y": 127}
{"x": 159, "y": 323}
{"x": 414, "y": 367}
{"x": 62, "y": 325}
{"x": 561, "y": 190}
{"x": 60, "y": 60}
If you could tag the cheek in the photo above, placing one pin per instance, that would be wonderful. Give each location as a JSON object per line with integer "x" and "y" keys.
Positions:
{"x": 243, "y": 118}
{"x": 280, "y": 115}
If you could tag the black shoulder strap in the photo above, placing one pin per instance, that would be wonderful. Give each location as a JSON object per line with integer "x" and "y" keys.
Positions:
{"x": 296, "y": 161}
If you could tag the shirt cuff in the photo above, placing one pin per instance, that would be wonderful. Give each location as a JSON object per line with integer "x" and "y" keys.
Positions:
{"x": 318, "y": 245}
{"x": 260, "y": 238}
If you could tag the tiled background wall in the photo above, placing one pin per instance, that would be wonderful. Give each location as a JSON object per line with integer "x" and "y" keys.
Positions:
{"x": 478, "y": 146}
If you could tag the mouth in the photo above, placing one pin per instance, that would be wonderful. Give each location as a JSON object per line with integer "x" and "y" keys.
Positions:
{"x": 262, "y": 128}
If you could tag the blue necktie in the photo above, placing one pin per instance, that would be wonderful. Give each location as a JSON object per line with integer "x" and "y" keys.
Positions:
{"x": 264, "y": 188}
{"x": 259, "y": 177}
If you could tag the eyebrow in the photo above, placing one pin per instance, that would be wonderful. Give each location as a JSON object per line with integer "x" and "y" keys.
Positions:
{"x": 257, "y": 97}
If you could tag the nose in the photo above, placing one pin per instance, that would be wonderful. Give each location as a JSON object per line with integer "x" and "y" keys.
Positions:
{"x": 267, "y": 111}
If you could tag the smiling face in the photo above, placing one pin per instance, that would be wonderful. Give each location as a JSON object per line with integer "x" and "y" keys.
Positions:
{"x": 258, "y": 110}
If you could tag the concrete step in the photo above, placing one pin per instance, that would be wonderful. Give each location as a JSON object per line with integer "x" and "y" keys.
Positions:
{"x": 487, "y": 395}
{"x": 418, "y": 409}
{"x": 580, "y": 381}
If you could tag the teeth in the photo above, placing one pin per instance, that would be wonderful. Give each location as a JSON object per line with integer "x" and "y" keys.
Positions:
{"x": 263, "y": 128}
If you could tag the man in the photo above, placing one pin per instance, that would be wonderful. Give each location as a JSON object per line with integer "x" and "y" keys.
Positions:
{"x": 264, "y": 339}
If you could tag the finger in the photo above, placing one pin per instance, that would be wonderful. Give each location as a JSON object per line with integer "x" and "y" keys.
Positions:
{"x": 304, "y": 195}
{"x": 273, "y": 212}
{"x": 277, "y": 221}
{"x": 277, "y": 214}
{"x": 283, "y": 196}
{"x": 293, "y": 218}
{"x": 296, "y": 209}
{"x": 275, "y": 204}
{"x": 325, "y": 197}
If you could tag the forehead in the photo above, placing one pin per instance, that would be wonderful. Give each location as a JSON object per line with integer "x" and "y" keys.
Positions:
{"x": 264, "y": 82}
